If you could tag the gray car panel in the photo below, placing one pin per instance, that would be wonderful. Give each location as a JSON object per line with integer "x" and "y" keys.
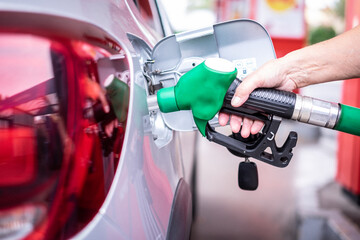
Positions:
{"x": 139, "y": 201}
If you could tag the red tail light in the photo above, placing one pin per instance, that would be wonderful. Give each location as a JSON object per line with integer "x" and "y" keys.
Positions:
{"x": 58, "y": 147}
{"x": 17, "y": 156}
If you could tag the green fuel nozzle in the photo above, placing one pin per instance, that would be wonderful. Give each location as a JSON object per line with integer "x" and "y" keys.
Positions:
{"x": 201, "y": 90}
{"x": 118, "y": 93}
{"x": 210, "y": 86}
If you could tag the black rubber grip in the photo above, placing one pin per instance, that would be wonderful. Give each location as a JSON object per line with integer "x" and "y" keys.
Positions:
{"x": 263, "y": 100}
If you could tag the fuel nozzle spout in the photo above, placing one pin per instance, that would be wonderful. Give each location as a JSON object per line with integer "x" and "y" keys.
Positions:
{"x": 201, "y": 90}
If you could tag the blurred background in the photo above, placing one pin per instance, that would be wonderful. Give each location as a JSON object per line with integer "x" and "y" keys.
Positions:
{"x": 317, "y": 195}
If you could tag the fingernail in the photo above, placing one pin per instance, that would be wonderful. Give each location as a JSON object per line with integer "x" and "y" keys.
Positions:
{"x": 235, "y": 101}
{"x": 107, "y": 109}
{"x": 235, "y": 127}
{"x": 221, "y": 120}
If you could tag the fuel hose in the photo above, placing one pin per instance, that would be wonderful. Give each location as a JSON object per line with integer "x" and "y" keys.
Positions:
{"x": 293, "y": 106}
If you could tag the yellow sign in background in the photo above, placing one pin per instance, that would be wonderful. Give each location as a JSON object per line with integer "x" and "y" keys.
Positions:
{"x": 281, "y": 5}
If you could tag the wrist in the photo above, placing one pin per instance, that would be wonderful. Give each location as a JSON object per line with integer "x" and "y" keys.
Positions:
{"x": 296, "y": 69}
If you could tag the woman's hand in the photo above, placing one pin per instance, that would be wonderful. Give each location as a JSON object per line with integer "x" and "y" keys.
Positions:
{"x": 273, "y": 74}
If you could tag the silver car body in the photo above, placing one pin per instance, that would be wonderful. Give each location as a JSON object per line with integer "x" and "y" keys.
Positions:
{"x": 142, "y": 197}
{"x": 150, "y": 196}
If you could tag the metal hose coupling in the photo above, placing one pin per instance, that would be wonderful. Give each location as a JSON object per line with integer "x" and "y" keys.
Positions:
{"x": 316, "y": 112}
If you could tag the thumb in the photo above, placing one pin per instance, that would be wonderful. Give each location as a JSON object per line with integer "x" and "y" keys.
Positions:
{"x": 243, "y": 91}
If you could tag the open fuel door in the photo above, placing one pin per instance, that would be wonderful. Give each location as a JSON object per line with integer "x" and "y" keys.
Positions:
{"x": 245, "y": 42}
{"x": 247, "y": 46}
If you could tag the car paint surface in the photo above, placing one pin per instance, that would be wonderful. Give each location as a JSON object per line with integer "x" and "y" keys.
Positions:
{"x": 139, "y": 202}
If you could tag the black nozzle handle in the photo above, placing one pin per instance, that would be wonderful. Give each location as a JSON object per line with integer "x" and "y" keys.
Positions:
{"x": 264, "y": 100}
